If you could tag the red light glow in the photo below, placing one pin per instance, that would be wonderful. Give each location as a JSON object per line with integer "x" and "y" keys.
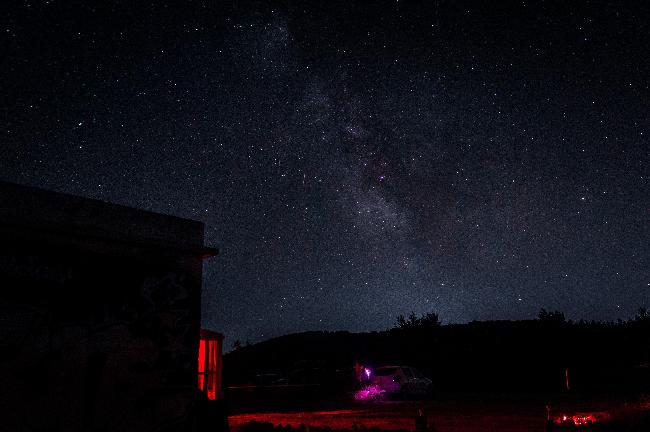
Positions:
{"x": 202, "y": 365}
{"x": 209, "y": 365}
{"x": 581, "y": 419}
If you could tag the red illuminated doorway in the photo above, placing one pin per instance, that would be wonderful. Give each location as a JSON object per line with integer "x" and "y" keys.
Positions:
{"x": 210, "y": 361}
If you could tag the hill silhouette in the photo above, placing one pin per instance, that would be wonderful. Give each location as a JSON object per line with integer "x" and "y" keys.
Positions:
{"x": 502, "y": 356}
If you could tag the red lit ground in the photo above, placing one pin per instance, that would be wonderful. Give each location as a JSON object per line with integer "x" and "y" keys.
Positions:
{"x": 466, "y": 414}
{"x": 474, "y": 416}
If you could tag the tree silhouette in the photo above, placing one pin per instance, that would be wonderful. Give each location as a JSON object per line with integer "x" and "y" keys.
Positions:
{"x": 552, "y": 317}
{"x": 427, "y": 320}
{"x": 642, "y": 315}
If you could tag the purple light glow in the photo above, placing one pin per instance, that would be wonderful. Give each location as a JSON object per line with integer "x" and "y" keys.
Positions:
{"x": 367, "y": 371}
{"x": 371, "y": 392}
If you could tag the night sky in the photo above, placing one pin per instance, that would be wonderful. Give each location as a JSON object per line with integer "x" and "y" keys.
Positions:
{"x": 353, "y": 161}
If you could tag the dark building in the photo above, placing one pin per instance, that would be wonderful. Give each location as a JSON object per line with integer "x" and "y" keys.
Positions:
{"x": 100, "y": 312}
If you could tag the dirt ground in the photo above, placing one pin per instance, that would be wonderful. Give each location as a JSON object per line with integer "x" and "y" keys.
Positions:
{"x": 464, "y": 413}
{"x": 445, "y": 416}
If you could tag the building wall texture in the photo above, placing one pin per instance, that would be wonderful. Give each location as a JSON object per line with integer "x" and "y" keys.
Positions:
{"x": 99, "y": 315}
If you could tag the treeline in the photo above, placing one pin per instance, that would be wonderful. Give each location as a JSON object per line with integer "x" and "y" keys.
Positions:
{"x": 431, "y": 319}
{"x": 531, "y": 355}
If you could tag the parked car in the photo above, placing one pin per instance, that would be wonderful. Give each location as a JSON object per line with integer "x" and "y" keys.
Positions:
{"x": 403, "y": 381}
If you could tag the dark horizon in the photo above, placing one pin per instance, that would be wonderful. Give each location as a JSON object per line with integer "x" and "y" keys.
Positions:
{"x": 552, "y": 318}
{"x": 354, "y": 163}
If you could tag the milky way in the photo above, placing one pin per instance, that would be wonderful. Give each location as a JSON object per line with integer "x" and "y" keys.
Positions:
{"x": 354, "y": 163}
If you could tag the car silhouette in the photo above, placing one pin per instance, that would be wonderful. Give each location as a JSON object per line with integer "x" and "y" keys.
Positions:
{"x": 402, "y": 381}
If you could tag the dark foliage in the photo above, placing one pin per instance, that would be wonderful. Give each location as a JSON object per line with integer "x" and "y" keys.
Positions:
{"x": 528, "y": 355}
{"x": 428, "y": 320}
{"x": 554, "y": 317}
{"x": 643, "y": 315}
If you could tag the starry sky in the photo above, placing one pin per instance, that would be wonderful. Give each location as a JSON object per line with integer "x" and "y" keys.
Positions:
{"x": 354, "y": 161}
